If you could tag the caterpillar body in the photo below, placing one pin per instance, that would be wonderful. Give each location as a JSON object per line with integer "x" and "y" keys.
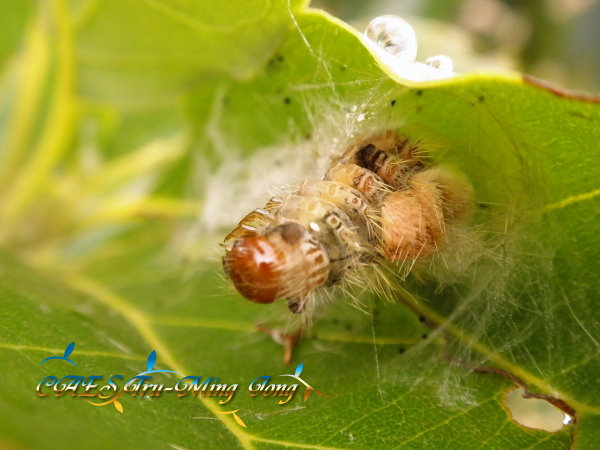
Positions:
{"x": 381, "y": 200}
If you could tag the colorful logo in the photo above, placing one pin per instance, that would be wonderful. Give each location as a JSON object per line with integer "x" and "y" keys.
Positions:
{"x": 100, "y": 390}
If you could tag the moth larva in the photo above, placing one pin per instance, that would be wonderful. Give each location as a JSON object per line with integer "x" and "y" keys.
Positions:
{"x": 381, "y": 200}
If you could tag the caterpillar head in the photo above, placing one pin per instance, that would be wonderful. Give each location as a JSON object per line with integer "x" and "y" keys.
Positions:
{"x": 283, "y": 261}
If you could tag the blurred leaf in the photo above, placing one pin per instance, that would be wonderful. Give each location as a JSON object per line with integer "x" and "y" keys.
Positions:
{"x": 12, "y": 23}
{"x": 145, "y": 52}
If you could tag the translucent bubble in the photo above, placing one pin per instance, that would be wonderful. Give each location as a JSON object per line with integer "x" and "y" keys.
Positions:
{"x": 395, "y": 35}
{"x": 441, "y": 62}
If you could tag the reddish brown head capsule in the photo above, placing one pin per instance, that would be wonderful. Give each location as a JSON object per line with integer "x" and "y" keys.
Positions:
{"x": 255, "y": 267}
{"x": 282, "y": 262}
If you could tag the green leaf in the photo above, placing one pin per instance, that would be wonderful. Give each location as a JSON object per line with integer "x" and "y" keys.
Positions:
{"x": 151, "y": 51}
{"x": 429, "y": 369}
{"x": 114, "y": 330}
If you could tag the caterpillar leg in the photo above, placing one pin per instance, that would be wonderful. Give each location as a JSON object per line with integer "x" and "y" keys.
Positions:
{"x": 287, "y": 340}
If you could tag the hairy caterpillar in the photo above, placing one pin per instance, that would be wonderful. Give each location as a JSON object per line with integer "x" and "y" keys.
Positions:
{"x": 381, "y": 200}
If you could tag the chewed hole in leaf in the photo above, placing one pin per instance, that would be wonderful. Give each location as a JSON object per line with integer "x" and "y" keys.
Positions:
{"x": 535, "y": 412}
